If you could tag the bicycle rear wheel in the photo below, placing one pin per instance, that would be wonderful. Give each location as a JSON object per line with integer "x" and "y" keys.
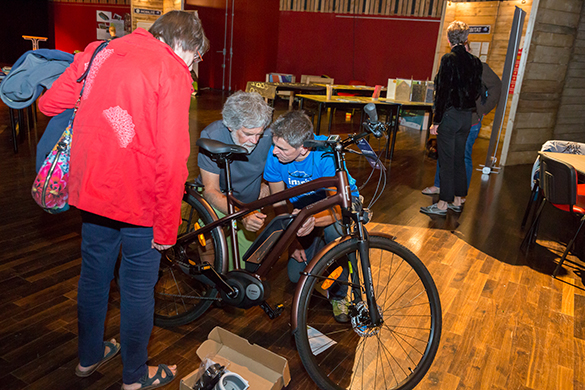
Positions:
{"x": 395, "y": 355}
{"x": 179, "y": 297}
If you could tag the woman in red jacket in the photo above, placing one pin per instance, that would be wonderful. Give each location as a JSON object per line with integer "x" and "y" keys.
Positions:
{"x": 129, "y": 152}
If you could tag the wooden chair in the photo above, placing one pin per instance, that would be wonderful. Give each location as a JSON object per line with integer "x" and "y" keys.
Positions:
{"x": 268, "y": 92}
{"x": 304, "y": 78}
{"x": 558, "y": 186}
{"x": 282, "y": 78}
{"x": 319, "y": 80}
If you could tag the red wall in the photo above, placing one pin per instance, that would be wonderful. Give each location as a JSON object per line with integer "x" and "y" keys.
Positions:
{"x": 255, "y": 42}
{"x": 75, "y": 24}
{"x": 370, "y": 49}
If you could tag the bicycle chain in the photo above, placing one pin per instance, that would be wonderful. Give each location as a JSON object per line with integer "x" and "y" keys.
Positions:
{"x": 188, "y": 296}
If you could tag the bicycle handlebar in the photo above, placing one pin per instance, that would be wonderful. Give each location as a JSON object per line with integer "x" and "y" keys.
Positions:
{"x": 375, "y": 128}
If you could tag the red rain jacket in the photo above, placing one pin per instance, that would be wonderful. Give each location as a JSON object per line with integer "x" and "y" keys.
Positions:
{"x": 130, "y": 139}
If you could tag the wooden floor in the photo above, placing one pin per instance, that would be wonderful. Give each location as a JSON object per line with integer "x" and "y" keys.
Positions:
{"x": 506, "y": 323}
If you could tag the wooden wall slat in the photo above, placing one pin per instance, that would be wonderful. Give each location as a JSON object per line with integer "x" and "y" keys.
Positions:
{"x": 419, "y": 8}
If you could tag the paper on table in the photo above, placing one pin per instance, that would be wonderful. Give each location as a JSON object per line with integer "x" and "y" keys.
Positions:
{"x": 391, "y": 90}
{"x": 318, "y": 341}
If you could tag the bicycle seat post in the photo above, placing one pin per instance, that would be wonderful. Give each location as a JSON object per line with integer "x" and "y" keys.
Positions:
{"x": 231, "y": 209}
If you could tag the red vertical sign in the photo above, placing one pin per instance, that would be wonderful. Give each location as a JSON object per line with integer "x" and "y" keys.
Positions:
{"x": 515, "y": 72}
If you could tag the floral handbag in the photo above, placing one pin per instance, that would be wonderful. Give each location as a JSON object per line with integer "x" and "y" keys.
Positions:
{"x": 50, "y": 189}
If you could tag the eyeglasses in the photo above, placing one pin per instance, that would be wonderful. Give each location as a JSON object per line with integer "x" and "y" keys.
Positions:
{"x": 198, "y": 58}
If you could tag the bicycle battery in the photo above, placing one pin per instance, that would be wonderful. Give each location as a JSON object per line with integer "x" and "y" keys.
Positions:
{"x": 265, "y": 241}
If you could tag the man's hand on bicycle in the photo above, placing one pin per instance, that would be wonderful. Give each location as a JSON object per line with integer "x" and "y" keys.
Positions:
{"x": 254, "y": 221}
{"x": 307, "y": 226}
{"x": 159, "y": 247}
{"x": 297, "y": 252}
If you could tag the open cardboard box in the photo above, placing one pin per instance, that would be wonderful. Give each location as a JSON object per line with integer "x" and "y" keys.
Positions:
{"x": 264, "y": 370}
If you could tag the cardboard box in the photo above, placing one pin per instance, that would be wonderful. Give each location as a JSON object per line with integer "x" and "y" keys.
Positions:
{"x": 264, "y": 370}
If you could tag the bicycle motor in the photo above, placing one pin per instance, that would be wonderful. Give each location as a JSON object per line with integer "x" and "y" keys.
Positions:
{"x": 249, "y": 289}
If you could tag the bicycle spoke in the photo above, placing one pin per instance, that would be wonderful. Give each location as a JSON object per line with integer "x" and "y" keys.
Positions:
{"x": 179, "y": 296}
{"x": 397, "y": 353}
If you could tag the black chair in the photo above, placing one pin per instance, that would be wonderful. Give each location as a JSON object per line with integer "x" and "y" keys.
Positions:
{"x": 535, "y": 195}
{"x": 558, "y": 186}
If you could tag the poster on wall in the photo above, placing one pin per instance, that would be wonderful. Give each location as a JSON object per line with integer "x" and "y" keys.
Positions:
{"x": 109, "y": 25}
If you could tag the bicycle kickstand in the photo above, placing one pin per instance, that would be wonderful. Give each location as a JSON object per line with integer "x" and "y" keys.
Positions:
{"x": 272, "y": 313}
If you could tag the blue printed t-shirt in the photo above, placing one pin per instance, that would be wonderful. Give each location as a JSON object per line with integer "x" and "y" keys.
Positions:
{"x": 317, "y": 164}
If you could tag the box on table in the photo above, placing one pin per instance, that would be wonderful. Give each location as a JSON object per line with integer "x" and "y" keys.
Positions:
{"x": 264, "y": 370}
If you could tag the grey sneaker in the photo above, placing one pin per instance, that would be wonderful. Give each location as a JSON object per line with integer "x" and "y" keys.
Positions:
{"x": 340, "y": 310}
{"x": 433, "y": 210}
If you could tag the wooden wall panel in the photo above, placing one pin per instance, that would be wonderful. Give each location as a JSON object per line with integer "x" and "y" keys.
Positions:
{"x": 553, "y": 85}
{"x": 117, "y": 2}
{"x": 570, "y": 124}
{"x": 155, "y": 5}
{"x": 421, "y": 8}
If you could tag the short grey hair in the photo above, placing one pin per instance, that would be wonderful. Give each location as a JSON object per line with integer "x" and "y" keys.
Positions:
{"x": 181, "y": 29}
{"x": 246, "y": 109}
{"x": 457, "y": 32}
{"x": 294, "y": 127}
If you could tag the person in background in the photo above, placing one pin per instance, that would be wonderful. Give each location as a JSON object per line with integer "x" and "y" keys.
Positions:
{"x": 457, "y": 87}
{"x": 290, "y": 164}
{"x": 245, "y": 117}
{"x": 489, "y": 97}
{"x": 128, "y": 169}
{"x": 112, "y": 31}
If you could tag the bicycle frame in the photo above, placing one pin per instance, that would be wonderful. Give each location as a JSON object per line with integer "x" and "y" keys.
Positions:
{"x": 342, "y": 198}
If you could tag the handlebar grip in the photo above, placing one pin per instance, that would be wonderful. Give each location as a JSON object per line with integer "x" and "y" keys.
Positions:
{"x": 370, "y": 109}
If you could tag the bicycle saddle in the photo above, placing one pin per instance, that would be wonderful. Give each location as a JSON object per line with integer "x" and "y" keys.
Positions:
{"x": 216, "y": 147}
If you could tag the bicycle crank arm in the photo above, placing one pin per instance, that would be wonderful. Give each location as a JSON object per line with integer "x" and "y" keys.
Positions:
{"x": 209, "y": 272}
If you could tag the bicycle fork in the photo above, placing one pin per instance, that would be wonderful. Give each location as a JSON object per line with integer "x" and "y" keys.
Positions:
{"x": 364, "y": 252}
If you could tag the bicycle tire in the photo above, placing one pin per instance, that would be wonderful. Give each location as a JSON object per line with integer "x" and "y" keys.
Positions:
{"x": 179, "y": 297}
{"x": 395, "y": 355}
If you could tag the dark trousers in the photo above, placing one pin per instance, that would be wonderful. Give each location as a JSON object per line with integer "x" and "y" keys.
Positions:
{"x": 451, "y": 139}
{"x": 101, "y": 239}
{"x": 312, "y": 244}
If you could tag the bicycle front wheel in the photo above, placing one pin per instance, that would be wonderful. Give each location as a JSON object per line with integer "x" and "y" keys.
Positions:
{"x": 357, "y": 355}
{"x": 179, "y": 297}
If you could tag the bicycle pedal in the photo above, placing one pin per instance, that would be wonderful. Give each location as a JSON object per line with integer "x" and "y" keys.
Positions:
{"x": 272, "y": 313}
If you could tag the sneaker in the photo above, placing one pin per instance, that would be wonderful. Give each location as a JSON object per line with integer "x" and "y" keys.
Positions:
{"x": 457, "y": 209}
{"x": 433, "y": 210}
{"x": 340, "y": 310}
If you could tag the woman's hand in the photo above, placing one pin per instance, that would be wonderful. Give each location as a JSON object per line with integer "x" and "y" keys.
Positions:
{"x": 434, "y": 129}
{"x": 159, "y": 247}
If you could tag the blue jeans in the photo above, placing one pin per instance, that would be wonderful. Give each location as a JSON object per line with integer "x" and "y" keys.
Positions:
{"x": 473, "y": 133}
{"x": 312, "y": 244}
{"x": 100, "y": 246}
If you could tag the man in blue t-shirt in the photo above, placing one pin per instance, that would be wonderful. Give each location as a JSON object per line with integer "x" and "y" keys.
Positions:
{"x": 290, "y": 164}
